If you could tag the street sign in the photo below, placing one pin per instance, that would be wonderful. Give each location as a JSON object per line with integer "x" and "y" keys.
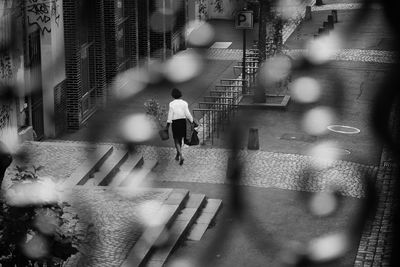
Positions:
{"x": 244, "y": 19}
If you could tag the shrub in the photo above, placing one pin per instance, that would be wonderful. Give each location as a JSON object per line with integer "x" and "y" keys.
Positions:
{"x": 30, "y": 235}
{"x": 157, "y": 111}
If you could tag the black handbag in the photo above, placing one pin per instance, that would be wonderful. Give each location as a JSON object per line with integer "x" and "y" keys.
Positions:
{"x": 164, "y": 134}
{"x": 194, "y": 140}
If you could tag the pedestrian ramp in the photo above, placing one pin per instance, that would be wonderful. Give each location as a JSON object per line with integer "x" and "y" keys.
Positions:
{"x": 188, "y": 216}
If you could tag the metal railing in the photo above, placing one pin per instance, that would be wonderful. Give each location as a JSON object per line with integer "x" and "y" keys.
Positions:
{"x": 225, "y": 91}
{"x": 208, "y": 125}
{"x": 219, "y": 108}
{"x": 251, "y": 75}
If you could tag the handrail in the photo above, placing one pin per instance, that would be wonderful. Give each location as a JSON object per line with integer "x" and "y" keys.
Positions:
{"x": 228, "y": 85}
{"x": 219, "y": 97}
{"x": 232, "y": 80}
{"x": 247, "y": 67}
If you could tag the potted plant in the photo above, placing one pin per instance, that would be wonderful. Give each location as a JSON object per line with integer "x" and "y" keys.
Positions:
{"x": 159, "y": 114}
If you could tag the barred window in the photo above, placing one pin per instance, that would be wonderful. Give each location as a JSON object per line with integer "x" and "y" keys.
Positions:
{"x": 122, "y": 58}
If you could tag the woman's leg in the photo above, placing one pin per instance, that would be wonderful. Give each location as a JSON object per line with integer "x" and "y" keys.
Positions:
{"x": 178, "y": 146}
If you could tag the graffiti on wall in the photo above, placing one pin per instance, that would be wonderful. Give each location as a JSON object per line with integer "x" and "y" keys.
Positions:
{"x": 201, "y": 11}
{"x": 42, "y": 12}
{"x": 5, "y": 67}
{"x": 4, "y": 116}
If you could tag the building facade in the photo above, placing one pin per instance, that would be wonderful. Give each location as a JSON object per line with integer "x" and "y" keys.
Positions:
{"x": 69, "y": 51}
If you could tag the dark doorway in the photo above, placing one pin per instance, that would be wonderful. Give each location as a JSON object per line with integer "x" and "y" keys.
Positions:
{"x": 36, "y": 83}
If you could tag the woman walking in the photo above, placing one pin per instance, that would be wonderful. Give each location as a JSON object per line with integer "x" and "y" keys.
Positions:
{"x": 177, "y": 114}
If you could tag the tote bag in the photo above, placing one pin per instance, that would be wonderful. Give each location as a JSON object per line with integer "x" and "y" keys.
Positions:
{"x": 194, "y": 140}
{"x": 164, "y": 134}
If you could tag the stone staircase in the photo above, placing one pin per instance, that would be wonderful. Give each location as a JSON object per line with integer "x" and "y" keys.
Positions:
{"x": 187, "y": 215}
{"x": 108, "y": 166}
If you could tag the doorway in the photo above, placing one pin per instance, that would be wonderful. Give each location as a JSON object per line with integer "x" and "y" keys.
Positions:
{"x": 36, "y": 84}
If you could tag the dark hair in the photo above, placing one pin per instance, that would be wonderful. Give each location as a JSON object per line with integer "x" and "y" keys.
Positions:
{"x": 176, "y": 93}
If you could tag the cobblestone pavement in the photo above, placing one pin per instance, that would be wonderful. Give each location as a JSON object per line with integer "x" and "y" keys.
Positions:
{"x": 262, "y": 169}
{"x": 358, "y": 55}
{"x": 109, "y": 223}
{"x": 103, "y": 223}
{"x": 342, "y": 6}
{"x": 59, "y": 160}
{"x": 296, "y": 18}
{"x": 375, "y": 244}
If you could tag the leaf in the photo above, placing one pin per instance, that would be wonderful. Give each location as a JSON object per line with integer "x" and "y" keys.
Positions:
{"x": 20, "y": 168}
{"x": 41, "y": 167}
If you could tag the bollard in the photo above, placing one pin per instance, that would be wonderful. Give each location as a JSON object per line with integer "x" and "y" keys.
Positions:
{"x": 319, "y": 3}
{"x": 253, "y": 143}
{"x": 335, "y": 17}
{"x": 330, "y": 25}
{"x": 330, "y": 19}
{"x": 326, "y": 27}
{"x": 308, "y": 13}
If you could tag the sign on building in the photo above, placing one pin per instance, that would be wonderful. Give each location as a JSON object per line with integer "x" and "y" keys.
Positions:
{"x": 244, "y": 19}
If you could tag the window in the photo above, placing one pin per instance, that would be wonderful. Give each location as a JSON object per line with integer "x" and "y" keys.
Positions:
{"x": 122, "y": 57}
{"x": 120, "y": 9}
{"x": 88, "y": 80}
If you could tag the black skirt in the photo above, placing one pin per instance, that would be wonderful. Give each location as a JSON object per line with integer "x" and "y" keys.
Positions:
{"x": 179, "y": 129}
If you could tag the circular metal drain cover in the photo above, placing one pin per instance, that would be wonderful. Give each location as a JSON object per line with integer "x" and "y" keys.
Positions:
{"x": 340, "y": 151}
{"x": 343, "y": 129}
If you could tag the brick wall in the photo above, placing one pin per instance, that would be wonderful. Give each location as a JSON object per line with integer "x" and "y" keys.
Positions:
{"x": 97, "y": 29}
{"x": 157, "y": 37}
{"x": 73, "y": 90}
{"x": 140, "y": 45}
{"x": 60, "y": 107}
{"x": 143, "y": 30}
{"x": 94, "y": 19}
{"x": 132, "y": 31}
{"x": 180, "y": 23}
{"x": 161, "y": 42}
{"x": 110, "y": 26}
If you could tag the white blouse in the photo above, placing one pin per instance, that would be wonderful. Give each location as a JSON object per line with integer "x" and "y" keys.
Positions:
{"x": 179, "y": 109}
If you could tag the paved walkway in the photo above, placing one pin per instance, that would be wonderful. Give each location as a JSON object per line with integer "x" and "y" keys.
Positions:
{"x": 205, "y": 165}
{"x": 105, "y": 223}
{"x": 261, "y": 169}
{"x": 342, "y": 6}
{"x": 357, "y": 55}
{"x": 375, "y": 244}
{"x": 59, "y": 161}
{"x": 109, "y": 223}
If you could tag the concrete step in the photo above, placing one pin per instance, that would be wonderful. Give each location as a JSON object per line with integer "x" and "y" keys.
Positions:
{"x": 205, "y": 219}
{"x": 141, "y": 250}
{"x": 132, "y": 163}
{"x": 88, "y": 167}
{"x": 108, "y": 169}
{"x": 178, "y": 230}
{"x": 138, "y": 175}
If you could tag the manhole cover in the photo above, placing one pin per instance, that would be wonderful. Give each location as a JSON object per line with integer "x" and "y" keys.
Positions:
{"x": 343, "y": 129}
{"x": 339, "y": 151}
